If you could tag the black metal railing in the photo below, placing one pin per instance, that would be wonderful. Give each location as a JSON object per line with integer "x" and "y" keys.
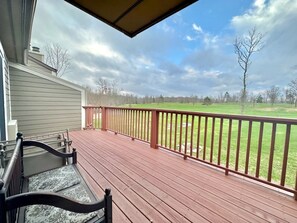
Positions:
{"x": 11, "y": 182}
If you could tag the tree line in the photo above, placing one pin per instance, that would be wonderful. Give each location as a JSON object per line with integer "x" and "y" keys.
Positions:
{"x": 108, "y": 93}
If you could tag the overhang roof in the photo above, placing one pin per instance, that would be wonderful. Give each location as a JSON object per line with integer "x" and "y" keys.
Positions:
{"x": 16, "y": 18}
{"x": 131, "y": 16}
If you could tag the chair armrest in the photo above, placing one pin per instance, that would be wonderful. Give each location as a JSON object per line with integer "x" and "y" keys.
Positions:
{"x": 48, "y": 148}
{"x": 52, "y": 199}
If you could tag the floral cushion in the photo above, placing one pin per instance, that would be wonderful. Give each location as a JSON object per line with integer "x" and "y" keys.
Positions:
{"x": 54, "y": 180}
{"x": 45, "y": 213}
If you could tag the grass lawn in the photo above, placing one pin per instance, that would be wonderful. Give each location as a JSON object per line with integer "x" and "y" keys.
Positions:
{"x": 279, "y": 110}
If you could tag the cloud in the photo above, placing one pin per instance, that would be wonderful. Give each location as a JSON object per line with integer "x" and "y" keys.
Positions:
{"x": 189, "y": 38}
{"x": 209, "y": 40}
{"x": 275, "y": 19}
{"x": 197, "y": 28}
{"x": 175, "y": 57}
{"x": 101, "y": 50}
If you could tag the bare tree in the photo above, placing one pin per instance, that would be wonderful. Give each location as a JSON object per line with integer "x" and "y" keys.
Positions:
{"x": 244, "y": 48}
{"x": 102, "y": 86}
{"x": 58, "y": 58}
{"x": 273, "y": 93}
{"x": 293, "y": 90}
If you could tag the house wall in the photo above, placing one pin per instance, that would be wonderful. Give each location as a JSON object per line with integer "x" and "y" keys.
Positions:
{"x": 38, "y": 68}
{"x": 44, "y": 103}
{"x": 4, "y": 95}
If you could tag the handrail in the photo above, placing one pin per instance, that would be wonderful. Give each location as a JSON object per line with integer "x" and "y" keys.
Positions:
{"x": 209, "y": 114}
{"x": 233, "y": 143}
{"x": 11, "y": 165}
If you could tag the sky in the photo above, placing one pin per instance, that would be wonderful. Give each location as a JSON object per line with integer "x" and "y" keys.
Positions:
{"x": 189, "y": 53}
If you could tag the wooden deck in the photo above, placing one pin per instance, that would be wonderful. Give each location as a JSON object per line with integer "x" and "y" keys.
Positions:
{"x": 153, "y": 185}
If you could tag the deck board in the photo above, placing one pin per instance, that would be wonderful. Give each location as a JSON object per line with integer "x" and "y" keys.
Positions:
{"x": 153, "y": 185}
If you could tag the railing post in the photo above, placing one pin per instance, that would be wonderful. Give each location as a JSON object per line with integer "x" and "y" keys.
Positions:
{"x": 104, "y": 118}
{"x": 154, "y": 129}
{"x": 88, "y": 115}
{"x": 20, "y": 137}
{"x": 108, "y": 206}
{"x": 2, "y": 202}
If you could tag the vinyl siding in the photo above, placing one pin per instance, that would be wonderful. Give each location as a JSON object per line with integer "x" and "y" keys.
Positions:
{"x": 37, "y": 67}
{"x": 41, "y": 105}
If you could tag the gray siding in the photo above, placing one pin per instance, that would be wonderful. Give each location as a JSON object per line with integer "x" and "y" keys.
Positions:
{"x": 41, "y": 105}
{"x": 39, "y": 68}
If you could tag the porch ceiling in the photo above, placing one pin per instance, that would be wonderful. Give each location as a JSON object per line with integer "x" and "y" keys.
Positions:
{"x": 131, "y": 16}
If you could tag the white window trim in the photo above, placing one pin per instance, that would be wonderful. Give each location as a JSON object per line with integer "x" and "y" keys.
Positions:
{"x": 3, "y": 58}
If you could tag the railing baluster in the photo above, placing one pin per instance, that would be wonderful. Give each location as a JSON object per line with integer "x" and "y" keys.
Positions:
{"x": 109, "y": 118}
{"x": 212, "y": 138}
{"x": 95, "y": 118}
{"x": 175, "y": 130}
{"x": 170, "y": 136}
{"x": 238, "y": 145}
{"x": 140, "y": 124}
{"x": 259, "y": 149}
{"x": 162, "y": 120}
{"x": 296, "y": 186}
{"x": 136, "y": 123}
{"x": 149, "y": 115}
{"x": 118, "y": 120}
{"x": 186, "y": 135}
{"x": 228, "y": 146}
{"x": 133, "y": 124}
{"x": 285, "y": 158}
{"x": 220, "y": 141}
{"x": 272, "y": 145}
{"x": 91, "y": 117}
{"x": 192, "y": 135}
{"x": 205, "y": 137}
{"x": 110, "y": 114}
{"x": 180, "y": 132}
{"x": 86, "y": 117}
{"x": 113, "y": 120}
{"x": 98, "y": 118}
{"x": 198, "y": 137}
{"x": 129, "y": 122}
{"x": 166, "y": 129}
{"x": 144, "y": 126}
{"x": 248, "y": 148}
{"x": 112, "y": 111}
{"x": 122, "y": 121}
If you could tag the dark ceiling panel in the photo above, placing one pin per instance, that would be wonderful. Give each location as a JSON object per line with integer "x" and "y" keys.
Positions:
{"x": 132, "y": 16}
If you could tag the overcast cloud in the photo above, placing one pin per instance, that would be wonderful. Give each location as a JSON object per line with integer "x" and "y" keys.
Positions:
{"x": 178, "y": 56}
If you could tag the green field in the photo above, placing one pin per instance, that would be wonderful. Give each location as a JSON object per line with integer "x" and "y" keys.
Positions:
{"x": 277, "y": 110}
{"x": 281, "y": 110}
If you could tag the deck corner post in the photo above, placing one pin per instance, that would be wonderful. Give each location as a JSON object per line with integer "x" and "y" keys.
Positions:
{"x": 154, "y": 129}
{"x": 104, "y": 119}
